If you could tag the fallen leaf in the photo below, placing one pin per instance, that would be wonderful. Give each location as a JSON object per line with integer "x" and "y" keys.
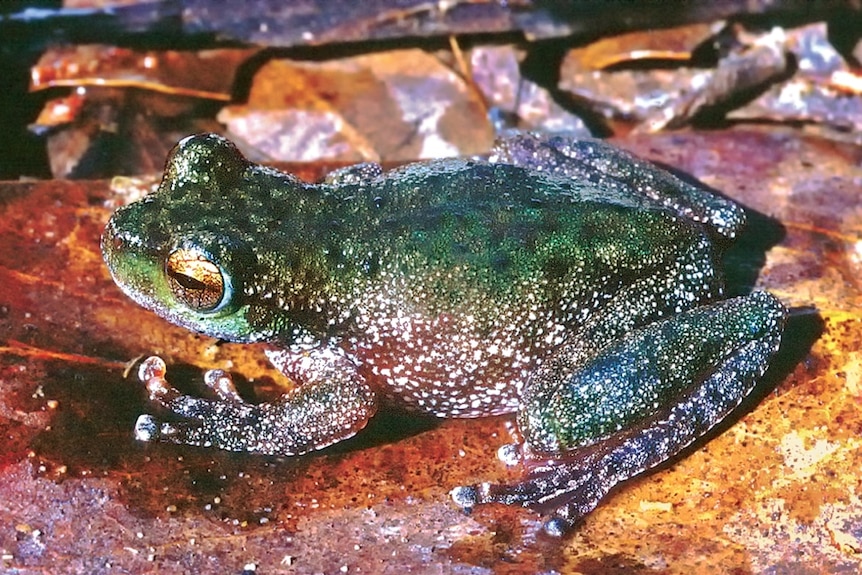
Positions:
{"x": 392, "y": 106}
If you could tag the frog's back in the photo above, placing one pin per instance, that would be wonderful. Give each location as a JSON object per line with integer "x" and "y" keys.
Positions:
{"x": 465, "y": 231}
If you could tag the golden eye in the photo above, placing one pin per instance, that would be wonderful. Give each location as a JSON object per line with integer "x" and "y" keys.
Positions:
{"x": 195, "y": 280}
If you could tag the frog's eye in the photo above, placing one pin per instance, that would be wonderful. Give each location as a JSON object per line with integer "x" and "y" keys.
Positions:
{"x": 196, "y": 281}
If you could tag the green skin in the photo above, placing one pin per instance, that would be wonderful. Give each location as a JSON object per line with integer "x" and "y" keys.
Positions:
{"x": 562, "y": 280}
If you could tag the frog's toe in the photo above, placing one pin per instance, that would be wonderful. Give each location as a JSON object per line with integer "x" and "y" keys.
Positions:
{"x": 510, "y": 454}
{"x": 187, "y": 432}
{"x": 572, "y": 512}
{"x": 221, "y": 383}
{"x": 465, "y": 496}
{"x": 150, "y": 429}
{"x": 152, "y": 368}
{"x": 557, "y": 526}
{"x": 152, "y": 375}
{"x": 147, "y": 428}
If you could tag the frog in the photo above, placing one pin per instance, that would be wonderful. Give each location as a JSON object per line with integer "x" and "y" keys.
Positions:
{"x": 564, "y": 282}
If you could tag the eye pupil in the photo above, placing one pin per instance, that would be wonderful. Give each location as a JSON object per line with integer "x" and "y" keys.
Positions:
{"x": 194, "y": 280}
{"x": 187, "y": 282}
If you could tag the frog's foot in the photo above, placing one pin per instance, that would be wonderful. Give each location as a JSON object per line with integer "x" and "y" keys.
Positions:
{"x": 160, "y": 392}
{"x": 728, "y": 346}
{"x": 309, "y": 418}
{"x": 568, "y": 490}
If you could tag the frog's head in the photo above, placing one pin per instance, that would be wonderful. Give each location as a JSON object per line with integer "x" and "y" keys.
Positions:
{"x": 185, "y": 251}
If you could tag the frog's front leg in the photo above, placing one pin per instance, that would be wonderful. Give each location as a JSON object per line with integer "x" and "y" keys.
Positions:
{"x": 332, "y": 403}
{"x": 636, "y": 404}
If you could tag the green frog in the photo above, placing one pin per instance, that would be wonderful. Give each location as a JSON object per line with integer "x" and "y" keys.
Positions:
{"x": 564, "y": 281}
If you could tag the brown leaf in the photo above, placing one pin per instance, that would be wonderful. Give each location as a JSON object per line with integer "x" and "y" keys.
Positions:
{"x": 668, "y": 44}
{"x": 391, "y": 106}
{"x": 203, "y": 74}
{"x": 496, "y": 71}
{"x": 824, "y": 90}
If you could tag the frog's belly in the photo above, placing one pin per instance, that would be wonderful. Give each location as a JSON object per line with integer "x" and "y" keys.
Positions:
{"x": 445, "y": 368}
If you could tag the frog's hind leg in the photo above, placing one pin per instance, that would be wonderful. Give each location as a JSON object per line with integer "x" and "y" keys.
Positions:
{"x": 332, "y": 404}
{"x": 700, "y": 365}
{"x": 609, "y": 167}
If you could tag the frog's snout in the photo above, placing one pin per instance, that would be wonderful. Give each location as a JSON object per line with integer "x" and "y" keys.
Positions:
{"x": 115, "y": 242}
